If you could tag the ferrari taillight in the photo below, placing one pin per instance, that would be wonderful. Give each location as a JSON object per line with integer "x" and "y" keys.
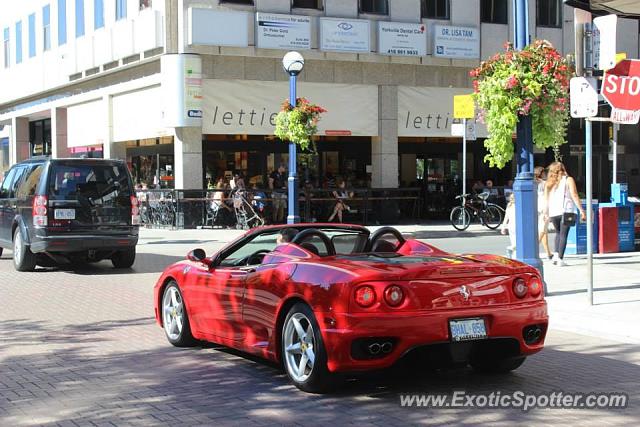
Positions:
{"x": 394, "y": 295}
{"x": 365, "y": 296}
{"x": 520, "y": 287}
{"x": 39, "y": 211}
{"x": 535, "y": 286}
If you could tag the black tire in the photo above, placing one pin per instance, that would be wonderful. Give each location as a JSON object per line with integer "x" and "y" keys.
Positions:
{"x": 460, "y": 218}
{"x": 492, "y": 217}
{"x": 1, "y": 249}
{"x": 183, "y": 338}
{"x": 23, "y": 258}
{"x": 124, "y": 259}
{"x": 497, "y": 366}
{"x": 319, "y": 380}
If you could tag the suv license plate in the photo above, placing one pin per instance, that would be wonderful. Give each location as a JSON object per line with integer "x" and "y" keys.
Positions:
{"x": 64, "y": 214}
{"x": 467, "y": 329}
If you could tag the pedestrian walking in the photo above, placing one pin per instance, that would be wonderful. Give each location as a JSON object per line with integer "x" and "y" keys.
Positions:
{"x": 561, "y": 197}
{"x": 543, "y": 221}
{"x": 509, "y": 225}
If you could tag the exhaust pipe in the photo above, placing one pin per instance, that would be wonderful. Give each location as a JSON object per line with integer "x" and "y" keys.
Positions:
{"x": 386, "y": 347}
{"x": 374, "y": 348}
{"x": 532, "y": 334}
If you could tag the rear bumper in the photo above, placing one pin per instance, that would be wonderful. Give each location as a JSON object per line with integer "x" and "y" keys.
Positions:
{"x": 61, "y": 243}
{"x": 410, "y": 331}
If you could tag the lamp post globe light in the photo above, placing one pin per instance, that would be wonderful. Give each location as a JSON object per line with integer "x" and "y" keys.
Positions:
{"x": 293, "y": 63}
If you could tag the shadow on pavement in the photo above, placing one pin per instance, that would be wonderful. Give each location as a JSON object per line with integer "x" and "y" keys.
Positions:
{"x": 80, "y": 377}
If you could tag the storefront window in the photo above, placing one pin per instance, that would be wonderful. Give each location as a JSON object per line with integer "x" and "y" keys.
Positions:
{"x": 151, "y": 162}
{"x": 40, "y": 137}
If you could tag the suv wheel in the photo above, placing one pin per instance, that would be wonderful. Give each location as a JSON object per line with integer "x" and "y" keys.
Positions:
{"x": 23, "y": 258}
{"x": 124, "y": 259}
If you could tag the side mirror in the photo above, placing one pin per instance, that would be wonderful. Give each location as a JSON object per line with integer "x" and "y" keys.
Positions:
{"x": 199, "y": 255}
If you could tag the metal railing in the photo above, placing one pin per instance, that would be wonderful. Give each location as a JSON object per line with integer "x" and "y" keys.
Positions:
{"x": 179, "y": 209}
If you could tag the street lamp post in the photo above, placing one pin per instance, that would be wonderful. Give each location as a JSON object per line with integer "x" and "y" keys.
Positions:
{"x": 524, "y": 187}
{"x": 293, "y": 63}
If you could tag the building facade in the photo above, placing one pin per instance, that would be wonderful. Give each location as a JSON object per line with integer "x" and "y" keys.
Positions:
{"x": 106, "y": 79}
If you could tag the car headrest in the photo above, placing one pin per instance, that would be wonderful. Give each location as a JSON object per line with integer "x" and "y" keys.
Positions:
{"x": 310, "y": 247}
{"x": 383, "y": 246}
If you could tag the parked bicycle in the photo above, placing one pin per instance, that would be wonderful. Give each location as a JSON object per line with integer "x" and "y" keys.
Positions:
{"x": 476, "y": 207}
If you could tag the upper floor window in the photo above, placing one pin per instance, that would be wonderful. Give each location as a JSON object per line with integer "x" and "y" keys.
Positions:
{"x": 7, "y": 47}
{"x": 549, "y": 13}
{"x": 121, "y": 9}
{"x": 435, "y": 9}
{"x": 380, "y": 7}
{"x": 145, "y": 4}
{"x": 18, "y": 42}
{"x": 79, "y": 18}
{"x": 32, "y": 35}
{"x": 494, "y": 11}
{"x": 46, "y": 28}
{"x": 62, "y": 22}
{"x": 98, "y": 14}
{"x": 307, "y": 4}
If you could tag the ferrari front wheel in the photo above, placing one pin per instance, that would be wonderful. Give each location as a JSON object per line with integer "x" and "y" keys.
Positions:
{"x": 303, "y": 352}
{"x": 175, "y": 320}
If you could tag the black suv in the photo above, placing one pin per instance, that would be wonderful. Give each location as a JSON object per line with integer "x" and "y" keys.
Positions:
{"x": 68, "y": 211}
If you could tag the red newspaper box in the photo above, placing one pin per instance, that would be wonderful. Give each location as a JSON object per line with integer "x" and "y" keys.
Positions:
{"x": 608, "y": 230}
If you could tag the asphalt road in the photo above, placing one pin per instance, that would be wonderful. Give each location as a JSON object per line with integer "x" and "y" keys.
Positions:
{"x": 80, "y": 347}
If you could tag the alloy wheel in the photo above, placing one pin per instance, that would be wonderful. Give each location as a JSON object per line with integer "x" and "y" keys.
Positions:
{"x": 173, "y": 312}
{"x": 299, "y": 347}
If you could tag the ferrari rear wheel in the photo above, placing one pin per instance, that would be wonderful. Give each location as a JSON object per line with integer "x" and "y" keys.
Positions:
{"x": 303, "y": 353}
{"x": 497, "y": 366}
{"x": 175, "y": 320}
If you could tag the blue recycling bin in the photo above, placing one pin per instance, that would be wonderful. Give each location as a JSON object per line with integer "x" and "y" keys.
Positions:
{"x": 577, "y": 238}
{"x": 626, "y": 231}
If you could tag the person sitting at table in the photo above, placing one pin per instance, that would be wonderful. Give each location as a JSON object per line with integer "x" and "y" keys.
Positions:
{"x": 341, "y": 195}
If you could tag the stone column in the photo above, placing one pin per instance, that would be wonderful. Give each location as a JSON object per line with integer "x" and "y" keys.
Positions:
{"x": 59, "y": 147}
{"x": 19, "y": 144}
{"x": 187, "y": 148}
{"x": 384, "y": 147}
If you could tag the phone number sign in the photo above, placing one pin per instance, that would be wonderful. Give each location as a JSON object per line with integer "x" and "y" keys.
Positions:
{"x": 402, "y": 39}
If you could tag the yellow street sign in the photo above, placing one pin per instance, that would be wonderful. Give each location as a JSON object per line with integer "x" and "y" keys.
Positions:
{"x": 621, "y": 56}
{"x": 463, "y": 107}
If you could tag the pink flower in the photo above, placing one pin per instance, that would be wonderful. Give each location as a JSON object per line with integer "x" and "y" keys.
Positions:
{"x": 511, "y": 82}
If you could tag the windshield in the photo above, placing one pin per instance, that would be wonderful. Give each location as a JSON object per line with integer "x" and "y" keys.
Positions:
{"x": 99, "y": 184}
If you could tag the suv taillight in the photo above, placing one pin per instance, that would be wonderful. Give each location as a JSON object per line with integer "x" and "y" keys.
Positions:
{"x": 39, "y": 211}
{"x": 135, "y": 211}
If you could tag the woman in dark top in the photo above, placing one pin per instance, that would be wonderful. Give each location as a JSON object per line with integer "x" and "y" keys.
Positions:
{"x": 341, "y": 195}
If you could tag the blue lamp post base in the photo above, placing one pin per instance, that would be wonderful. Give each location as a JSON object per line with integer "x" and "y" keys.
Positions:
{"x": 293, "y": 215}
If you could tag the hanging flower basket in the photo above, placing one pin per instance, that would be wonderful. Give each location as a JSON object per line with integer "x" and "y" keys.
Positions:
{"x": 298, "y": 124}
{"x": 533, "y": 82}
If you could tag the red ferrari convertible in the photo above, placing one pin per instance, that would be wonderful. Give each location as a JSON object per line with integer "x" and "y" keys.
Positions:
{"x": 331, "y": 298}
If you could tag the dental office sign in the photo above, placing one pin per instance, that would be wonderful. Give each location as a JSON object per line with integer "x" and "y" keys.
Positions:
{"x": 274, "y": 31}
{"x": 402, "y": 39}
{"x": 343, "y": 35}
{"x": 456, "y": 42}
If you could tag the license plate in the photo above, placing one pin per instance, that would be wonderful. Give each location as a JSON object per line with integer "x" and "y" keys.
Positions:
{"x": 64, "y": 214}
{"x": 467, "y": 329}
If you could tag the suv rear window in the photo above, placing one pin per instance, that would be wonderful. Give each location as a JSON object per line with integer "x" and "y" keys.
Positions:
{"x": 98, "y": 183}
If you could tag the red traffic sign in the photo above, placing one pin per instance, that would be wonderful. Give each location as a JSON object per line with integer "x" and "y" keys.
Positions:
{"x": 621, "y": 85}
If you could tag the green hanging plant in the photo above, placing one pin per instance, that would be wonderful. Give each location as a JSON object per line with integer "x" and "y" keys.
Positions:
{"x": 533, "y": 82}
{"x": 298, "y": 124}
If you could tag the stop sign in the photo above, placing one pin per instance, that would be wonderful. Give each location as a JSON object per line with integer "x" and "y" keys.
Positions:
{"x": 621, "y": 85}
